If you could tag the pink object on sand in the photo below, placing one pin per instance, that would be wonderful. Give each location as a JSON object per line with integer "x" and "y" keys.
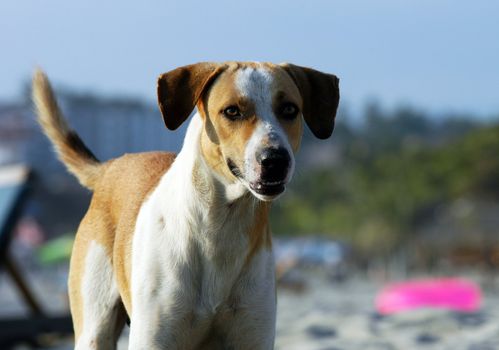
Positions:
{"x": 442, "y": 293}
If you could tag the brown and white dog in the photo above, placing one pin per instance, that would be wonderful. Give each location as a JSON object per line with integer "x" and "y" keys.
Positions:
{"x": 182, "y": 244}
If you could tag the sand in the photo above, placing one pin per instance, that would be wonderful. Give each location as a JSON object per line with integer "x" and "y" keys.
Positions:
{"x": 328, "y": 315}
{"x": 342, "y": 316}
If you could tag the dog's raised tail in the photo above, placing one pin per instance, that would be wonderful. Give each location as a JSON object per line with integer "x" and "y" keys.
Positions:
{"x": 71, "y": 150}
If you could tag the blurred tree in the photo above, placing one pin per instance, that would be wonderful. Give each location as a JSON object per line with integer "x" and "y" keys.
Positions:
{"x": 395, "y": 171}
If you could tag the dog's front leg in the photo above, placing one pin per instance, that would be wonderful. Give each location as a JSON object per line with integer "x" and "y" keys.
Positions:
{"x": 250, "y": 321}
{"x": 163, "y": 299}
{"x": 164, "y": 319}
{"x": 252, "y": 326}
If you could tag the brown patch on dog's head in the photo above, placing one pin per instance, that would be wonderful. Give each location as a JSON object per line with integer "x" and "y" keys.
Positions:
{"x": 224, "y": 141}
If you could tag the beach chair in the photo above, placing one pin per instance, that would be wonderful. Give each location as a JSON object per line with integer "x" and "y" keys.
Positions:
{"x": 15, "y": 182}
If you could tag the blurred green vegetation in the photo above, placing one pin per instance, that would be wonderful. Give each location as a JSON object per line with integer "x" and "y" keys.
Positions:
{"x": 388, "y": 176}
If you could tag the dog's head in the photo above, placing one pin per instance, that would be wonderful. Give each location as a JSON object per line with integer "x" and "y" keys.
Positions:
{"x": 253, "y": 116}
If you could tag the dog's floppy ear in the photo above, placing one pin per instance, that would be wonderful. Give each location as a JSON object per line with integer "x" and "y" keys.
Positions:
{"x": 180, "y": 89}
{"x": 321, "y": 95}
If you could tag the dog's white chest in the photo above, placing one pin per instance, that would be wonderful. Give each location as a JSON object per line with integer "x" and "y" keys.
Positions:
{"x": 178, "y": 249}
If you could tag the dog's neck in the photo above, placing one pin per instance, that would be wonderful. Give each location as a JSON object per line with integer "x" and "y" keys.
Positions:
{"x": 222, "y": 213}
{"x": 210, "y": 187}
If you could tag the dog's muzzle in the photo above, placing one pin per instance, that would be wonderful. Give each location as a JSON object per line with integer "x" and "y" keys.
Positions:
{"x": 274, "y": 165}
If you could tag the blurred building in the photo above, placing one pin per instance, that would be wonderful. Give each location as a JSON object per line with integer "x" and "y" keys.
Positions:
{"x": 16, "y": 129}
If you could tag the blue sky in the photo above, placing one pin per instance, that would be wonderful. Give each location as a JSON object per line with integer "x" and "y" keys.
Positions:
{"x": 438, "y": 55}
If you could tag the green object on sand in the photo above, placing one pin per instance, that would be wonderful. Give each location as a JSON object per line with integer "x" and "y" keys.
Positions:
{"x": 56, "y": 250}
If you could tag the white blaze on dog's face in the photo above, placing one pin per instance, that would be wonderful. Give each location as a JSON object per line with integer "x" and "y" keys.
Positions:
{"x": 253, "y": 116}
{"x": 253, "y": 126}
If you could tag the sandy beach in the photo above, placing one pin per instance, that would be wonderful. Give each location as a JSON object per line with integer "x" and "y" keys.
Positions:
{"x": 342, "y": 316}
{"x": 328, "y": 315}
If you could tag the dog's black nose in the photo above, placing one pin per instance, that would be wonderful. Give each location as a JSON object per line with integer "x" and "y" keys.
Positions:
{"x": 275, "y": 164}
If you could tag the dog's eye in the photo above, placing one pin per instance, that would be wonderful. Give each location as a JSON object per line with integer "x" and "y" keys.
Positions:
{"x": 232, "y": 112}
{"x": 289, "y": 111}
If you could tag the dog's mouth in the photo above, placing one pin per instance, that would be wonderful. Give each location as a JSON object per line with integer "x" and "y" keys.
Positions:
{"x": 267, "y": 189}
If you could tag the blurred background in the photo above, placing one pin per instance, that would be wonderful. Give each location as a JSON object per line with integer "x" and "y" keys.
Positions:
{"x": 407, "y": 187}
